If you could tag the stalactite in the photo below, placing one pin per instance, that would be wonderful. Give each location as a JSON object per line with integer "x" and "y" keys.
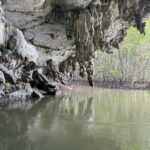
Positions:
{"x": 84, "y": 32}
{"x": 122, "y": 6}
{"x": 89, "y": 31}
{"x": 139, "y": 24}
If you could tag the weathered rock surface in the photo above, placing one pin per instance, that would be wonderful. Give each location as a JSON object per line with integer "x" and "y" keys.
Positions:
{"x": 18, "y": 59}
{"x": 52, "y": 36}
{"x": 71, "y": 4}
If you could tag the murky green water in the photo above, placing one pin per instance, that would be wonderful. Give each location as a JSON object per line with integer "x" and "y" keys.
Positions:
{"x": 87, "y": 119}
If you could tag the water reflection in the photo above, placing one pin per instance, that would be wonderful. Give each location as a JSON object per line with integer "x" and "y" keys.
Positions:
{"x": 85, "y": 119}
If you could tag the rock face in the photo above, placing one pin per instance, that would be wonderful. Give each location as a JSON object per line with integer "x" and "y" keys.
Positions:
{"x": 52, "y": 36}
{"x": 71, "y": 4}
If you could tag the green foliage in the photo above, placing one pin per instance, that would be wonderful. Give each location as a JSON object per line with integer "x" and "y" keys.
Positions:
{"x": 134, "y": 40}
{"x": 131, "y": 62}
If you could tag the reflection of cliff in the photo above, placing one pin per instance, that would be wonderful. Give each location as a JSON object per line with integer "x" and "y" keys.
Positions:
{"x": 20, "y": 126}
{"x": 85, "y": 119}
{"x": 78, "y": 108}
{"x": 14, "y": 124}
{"x": 13, "y": 127}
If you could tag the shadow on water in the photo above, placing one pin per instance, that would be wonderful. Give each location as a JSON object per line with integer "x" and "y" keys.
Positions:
{"x": 85, "y": 119}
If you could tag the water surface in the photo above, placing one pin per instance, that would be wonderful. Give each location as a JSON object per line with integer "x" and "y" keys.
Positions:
{"x": 85, "y": 119}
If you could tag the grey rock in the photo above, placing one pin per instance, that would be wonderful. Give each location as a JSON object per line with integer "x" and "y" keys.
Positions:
{"x": 71, "y": 4}
{"x": 36, "y": 94}
{"x": 2, "y": 34}
{"x": 2, "y": 78}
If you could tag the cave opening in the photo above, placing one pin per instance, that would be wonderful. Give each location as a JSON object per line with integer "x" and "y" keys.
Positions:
{"x": 129, "y": 63}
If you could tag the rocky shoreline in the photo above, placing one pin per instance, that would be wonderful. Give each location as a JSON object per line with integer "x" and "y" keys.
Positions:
{"x": 20, "y": 76}
{"x": 114, "y": 84}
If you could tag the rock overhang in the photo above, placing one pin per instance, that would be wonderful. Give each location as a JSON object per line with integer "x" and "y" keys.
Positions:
{"x": 71, "y": 4}
{"x": 101, "y": 25}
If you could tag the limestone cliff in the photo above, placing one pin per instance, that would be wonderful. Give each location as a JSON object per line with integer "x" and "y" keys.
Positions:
{"x": 54, "y": 35}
